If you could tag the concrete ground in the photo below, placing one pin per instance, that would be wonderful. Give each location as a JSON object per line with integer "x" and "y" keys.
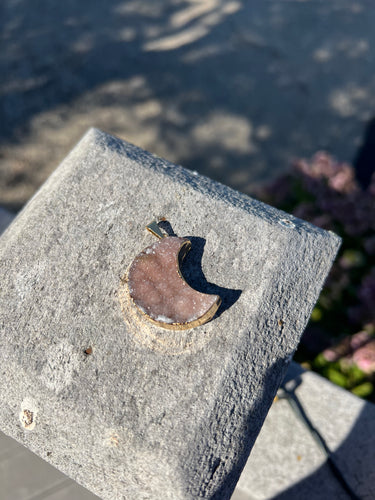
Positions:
{"x": 288, "y": 461}
{"x": 230, "y": 88}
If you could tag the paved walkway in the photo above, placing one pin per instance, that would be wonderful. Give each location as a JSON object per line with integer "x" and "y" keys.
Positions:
{"x": 288, "y": 461}
{"x": 230, "y": 88}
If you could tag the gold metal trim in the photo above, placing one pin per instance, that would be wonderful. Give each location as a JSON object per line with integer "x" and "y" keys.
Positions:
{"x": 155, "y": 229}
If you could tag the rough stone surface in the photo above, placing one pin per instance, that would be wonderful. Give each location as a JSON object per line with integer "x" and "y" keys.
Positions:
{"x": 285, "y": 463}
{"x": 150, "y": 413}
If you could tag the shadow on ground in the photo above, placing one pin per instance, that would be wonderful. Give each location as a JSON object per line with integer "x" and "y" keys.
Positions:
{"x": 232, "y": 89}
{"x": 353, "y": 458}
{"x": 288, "y": 461}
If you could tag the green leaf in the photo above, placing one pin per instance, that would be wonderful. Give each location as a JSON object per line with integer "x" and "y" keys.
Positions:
{"x": 352, "y": 258}
{"x": 316, "y": 314}
{"x": 363, "y": 390}
{"x": 320, "y": 362}
{"x": 356, "y": 374}
{"x": 336, "y": 377}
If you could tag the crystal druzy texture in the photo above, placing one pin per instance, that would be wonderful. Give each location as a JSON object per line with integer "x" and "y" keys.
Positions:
{"x": 158, "y": 289}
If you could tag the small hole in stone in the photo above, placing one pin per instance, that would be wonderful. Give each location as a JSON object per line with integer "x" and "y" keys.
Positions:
{"x": 49, "y": 453}
{"x": 88, "y": 351}
{"x": 286, "y": 223}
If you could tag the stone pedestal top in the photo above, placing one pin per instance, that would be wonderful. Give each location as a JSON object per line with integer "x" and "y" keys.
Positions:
{"x": 126, "y": 408}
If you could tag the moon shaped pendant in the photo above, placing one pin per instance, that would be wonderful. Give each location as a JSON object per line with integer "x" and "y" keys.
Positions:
{"x": 159, "y": 291}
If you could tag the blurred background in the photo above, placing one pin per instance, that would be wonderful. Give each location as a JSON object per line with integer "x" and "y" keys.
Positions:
{"x": 232, "y": 89}
{"x": 239, "y": 91}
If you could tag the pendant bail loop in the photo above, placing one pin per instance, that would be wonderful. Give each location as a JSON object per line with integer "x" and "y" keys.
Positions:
{"x": 155, "y": 229}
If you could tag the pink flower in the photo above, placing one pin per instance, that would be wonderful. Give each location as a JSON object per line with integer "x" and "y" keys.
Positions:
{"x": 364, "y": 357}
{"x": 340, "y": 176}
{"x": 331, "y": 355}
{"x": 343, "y": 181}
{"x": 359, "y": 340}
{"x": 338, "y": 351}
{"x": 348, "y": 346}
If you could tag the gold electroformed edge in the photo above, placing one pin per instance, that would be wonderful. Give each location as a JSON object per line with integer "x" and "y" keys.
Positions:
{"x": 155, "y": 230}
{"x": 207, "y": 316}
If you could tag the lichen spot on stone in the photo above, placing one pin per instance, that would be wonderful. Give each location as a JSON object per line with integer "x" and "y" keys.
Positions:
{"x": 27, "y": 418}
{"x": 28, "y": 413}
{"x": 111, "y": 439}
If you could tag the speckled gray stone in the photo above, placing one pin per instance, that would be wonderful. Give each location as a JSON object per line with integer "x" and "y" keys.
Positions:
{"x": 150, "y": 413}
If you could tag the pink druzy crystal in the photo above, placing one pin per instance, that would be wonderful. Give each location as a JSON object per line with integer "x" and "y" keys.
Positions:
{"x": 158, "y": 289}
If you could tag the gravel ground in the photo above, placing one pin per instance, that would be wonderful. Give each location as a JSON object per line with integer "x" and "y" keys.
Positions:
{"x": 232, "y": 89}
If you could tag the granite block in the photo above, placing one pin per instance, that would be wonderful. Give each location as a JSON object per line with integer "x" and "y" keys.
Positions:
{"x": 128, "y": 409}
